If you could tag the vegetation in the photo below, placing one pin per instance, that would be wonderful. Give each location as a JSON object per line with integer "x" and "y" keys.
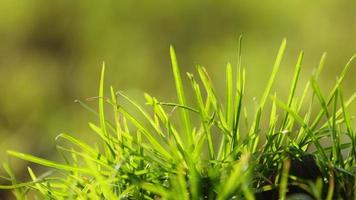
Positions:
{"x": 201, "y": 147}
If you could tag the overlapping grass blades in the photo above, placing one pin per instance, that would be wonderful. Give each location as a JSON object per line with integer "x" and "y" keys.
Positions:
{"x": 147, "y": 154}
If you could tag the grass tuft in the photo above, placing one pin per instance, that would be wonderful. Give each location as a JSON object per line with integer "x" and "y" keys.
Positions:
{"x": 144, "y": 153}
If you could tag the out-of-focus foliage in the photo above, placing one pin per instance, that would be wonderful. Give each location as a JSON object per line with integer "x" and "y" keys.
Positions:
{"x": 51, "y": 53}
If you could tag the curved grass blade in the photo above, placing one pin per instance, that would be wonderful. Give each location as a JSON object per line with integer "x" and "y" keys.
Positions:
{"x": 145, "y": 114}
{"x": 48, "y": 163}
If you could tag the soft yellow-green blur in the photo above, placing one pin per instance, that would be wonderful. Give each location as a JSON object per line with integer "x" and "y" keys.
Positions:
{"x": 51, "y": 53}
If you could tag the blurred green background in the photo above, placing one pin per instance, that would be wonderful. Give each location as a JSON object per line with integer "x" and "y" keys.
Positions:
{"x": 51, "y": 54}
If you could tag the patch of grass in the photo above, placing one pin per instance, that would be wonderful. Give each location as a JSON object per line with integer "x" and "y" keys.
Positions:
{"x": 153, "y": 155}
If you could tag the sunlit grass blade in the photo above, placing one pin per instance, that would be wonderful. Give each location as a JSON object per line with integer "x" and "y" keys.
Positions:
{"x": 350, "y": 131}
{"x": 48, "y": 163}
{"x": 336, "y": 135}
{"x": 109, "y": 144}
{"x": 294, "y": 86}
{"x": 204, "y": 116}
{"x": 97, "y": 159}
{"x": 118, "y": 127}
{"x": 272, "y": 121}
{"x": 309, "y": 133}
{"x": 240, "y": 84}
{"x": 211, "y": 99}
{"x": 165, "y": 118}
{"x": 316, "y": 76}
{"x": 103, "y": 186}
{"x": 255, "y": 128}
{"x": 145, "y": 114}
{"x": 39, "y": 186}
{"x": 101, "y": 102}
{"x": 107, "y": 139}
{"x": 94, "y": 112}
{"x": 85, "y": 147}
{"x": 147, "y": 134}
{"x": 229, "y": 110}
{"x": 159, "y": 153}
{"x": 19, "y": 185}
{"x": 332, "y": 93}
{"x": 181, "y": 99}
{"x": 274, "y": 72}
{"x": 176, "y": 105}
{"x": 339, "y": 113}
{"x": 229, "y": 97}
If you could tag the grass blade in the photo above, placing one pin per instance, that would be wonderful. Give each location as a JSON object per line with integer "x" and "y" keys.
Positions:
{"x": 181, "y": 98}
{"x": 294, "y": 86}
{"x": 48, "y": 163}
{"x": 274, "y": 72}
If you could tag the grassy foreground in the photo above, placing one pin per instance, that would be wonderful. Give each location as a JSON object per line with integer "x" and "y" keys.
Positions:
{"x": 201, "y": 147}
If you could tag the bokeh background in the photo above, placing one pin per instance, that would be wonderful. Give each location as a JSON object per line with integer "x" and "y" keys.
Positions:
{"x": 51, "y": 54}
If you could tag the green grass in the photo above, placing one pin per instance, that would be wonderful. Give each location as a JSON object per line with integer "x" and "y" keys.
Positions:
{"x": 146, "y": 152}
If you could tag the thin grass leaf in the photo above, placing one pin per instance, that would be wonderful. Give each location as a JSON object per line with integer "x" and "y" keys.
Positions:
{"x": 336, "y": 135}
{"x": 86, "y": 107}
{"x": 181, "y": 98}
{"x": 101, "y": 101}
{"x": 255, "y": 127}
{"x": 103, "y": 185}
{"x": 145, "y": 114}
{"x": 229, "y": 97}
{"x": 204, "y": 116}
{"x": 119, "y": 131}
{"x": 211, "y": 95}
{"x": 240, "y": 84}
{"x": 164, "y": 117}
{"x": 178, "y": 106}
{"x": 147, "y": 134}
{"x": 274, "y": 72}
{"x": 48, "y": 163}
{"x": 97, "y": 159}
{"x": 85, "y": 147}
{"x": 107, "y": 139}
{"x": 38, "y": 186}
{"x": 238, "y": 105}
{"x": 332, "y": 93}
{"x": 350, "y": 131}
{"x": 18, "y": 185}
{"x": 294, "y": 86}
{"x": 305, "y": 126}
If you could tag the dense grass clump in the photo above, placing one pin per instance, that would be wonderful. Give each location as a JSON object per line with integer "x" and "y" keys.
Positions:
{"x": 210, "y": 150}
